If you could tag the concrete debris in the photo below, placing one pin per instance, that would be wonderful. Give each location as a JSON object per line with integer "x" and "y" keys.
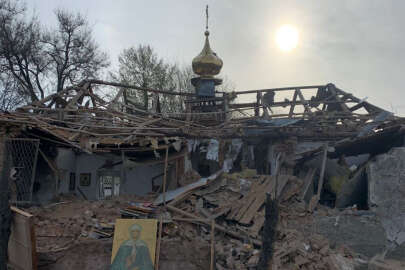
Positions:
{"x": 353, "y": 230}
{"x": 63, "y": 227}
{"x": 386, "y": 186}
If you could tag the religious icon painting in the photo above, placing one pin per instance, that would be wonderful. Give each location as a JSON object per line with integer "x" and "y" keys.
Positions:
{"x": 134, "y": 244}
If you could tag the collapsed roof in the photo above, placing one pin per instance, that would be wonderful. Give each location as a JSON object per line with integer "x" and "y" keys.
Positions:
{"x": 77, "y": 117}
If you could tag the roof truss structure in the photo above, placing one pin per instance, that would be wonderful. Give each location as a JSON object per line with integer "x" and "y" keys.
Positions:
{"x": 80, "y": 118}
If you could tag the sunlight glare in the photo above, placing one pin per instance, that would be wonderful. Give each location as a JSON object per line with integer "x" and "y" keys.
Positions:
{"x": 287, "y": 38}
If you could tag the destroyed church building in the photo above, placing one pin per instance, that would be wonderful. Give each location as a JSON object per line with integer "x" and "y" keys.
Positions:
{"x": 342, "y": 150}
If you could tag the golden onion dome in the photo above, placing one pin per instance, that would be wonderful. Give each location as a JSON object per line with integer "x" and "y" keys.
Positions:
{"x": 207, "y": 63}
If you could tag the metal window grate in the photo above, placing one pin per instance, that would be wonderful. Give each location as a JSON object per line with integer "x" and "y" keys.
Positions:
{"x": 21, "y": 155}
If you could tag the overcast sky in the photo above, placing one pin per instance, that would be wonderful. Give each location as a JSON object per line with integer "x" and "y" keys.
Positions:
{"x": 356, "y": 44}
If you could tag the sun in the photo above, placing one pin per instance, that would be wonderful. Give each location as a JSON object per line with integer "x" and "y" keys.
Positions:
{"x": 287, "y": 38}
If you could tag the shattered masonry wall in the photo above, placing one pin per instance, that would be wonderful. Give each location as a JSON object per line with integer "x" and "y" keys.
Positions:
{"x": 386, "y": 186}
{"x": 353, "y": 231}
{"x": 382, "y": 228}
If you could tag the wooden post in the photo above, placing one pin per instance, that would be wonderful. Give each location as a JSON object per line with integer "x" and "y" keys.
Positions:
{"x": 269, "y": 233}
{"x": 257, "y": 108}
{"x": 165, "y": 177}
{"x": 122, "y": 171}
{"x": 5, "y": 211}
{"x": 226, "y": 107}
{"x": 321, "y": 177}
{"x": 159, "y": 242}
{"x": 212, "y": 244}
{"x": 291, "y": 113}
{"x": 315, "y": 199}
{"x": 276, "y": 173}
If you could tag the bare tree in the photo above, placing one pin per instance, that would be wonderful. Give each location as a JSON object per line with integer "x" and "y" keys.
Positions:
{"x": 21, "y": 53}
{"x": 73, "y": 53}
{"x": 10, "y": 95}
{"x": 41, "y": 62}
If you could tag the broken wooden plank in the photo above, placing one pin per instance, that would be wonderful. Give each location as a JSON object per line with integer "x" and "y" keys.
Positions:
{"x": 181, "y": 198}
{"x": 212, "y": 244}
{"x": 321, "y": 177}
{"x": 257, "y": 223}
{"x": 217, "y": 227}
{"x": 261, "y": 197}
{"x": 240, "y": 207}
{"x": 251, "y": 204}
{"x": 191, "y": 220}
{"x": 315, "y": 199}
{"x": 308, "y": 181}
{"x": 259, "y": 201}
{"x": 57, "y": 135}
{"x": 222, "y": 211}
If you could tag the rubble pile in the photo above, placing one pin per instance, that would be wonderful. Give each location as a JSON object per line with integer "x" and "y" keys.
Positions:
{"x": 236, "y": 204}
{"x": 60, "y": 226}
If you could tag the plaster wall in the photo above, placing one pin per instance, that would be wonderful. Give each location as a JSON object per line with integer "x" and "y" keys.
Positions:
{"x": 66, "y": 163}
{"x": 135, "y": 180}
{"x": 91, "y": 163}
